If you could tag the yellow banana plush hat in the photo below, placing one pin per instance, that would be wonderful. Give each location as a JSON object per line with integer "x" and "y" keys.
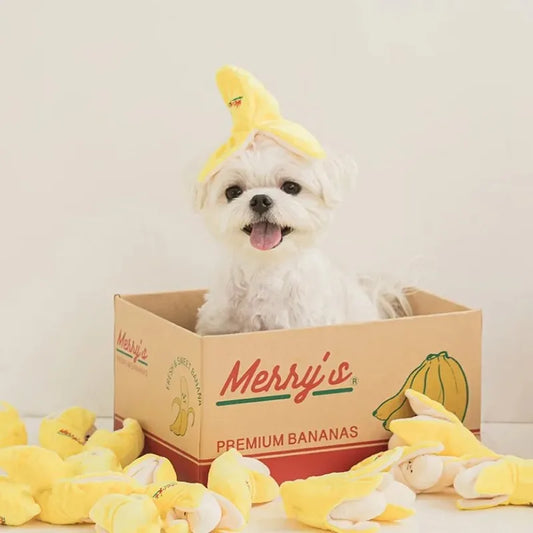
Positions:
{"x": 253, "y": 109}
{"x": 121, "y": 513}
{"x": 507, "y": 481}
{"x": 69, "y": 500}
{"x": 12, "y": 428}
{"x": 127, "y": 443}
{"x": 17, "y": 505}
{"x": 435, "y": 423}
{"x": 151, "y": 468}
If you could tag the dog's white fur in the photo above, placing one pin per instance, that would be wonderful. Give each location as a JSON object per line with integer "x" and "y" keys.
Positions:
{"x": 293, "y": 285}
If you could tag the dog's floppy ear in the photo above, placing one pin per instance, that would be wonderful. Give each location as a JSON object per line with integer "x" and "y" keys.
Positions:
{"x": 199, "y": 195}
{"x": 338, "y": 176}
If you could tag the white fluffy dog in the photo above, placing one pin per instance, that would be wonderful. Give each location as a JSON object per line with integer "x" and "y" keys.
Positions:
{"x": 269, "y": 206}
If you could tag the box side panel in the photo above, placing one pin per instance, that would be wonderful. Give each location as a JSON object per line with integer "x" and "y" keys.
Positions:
{"x": 177, "y": 307}
{"x": 308, "y": 402}
{"x": 157, "y": 381}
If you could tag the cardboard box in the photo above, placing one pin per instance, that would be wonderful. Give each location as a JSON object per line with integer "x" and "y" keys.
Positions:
{"x": 305, "y": 401}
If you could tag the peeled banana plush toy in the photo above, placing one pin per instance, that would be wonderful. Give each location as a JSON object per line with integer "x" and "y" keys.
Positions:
{"x": 242, "y": 481}
{"x": 253, "y": 109}
{"x": 12, "y": 429}
{"x": 69, "y": 500}
{"x": 190, "y": 507}
{"x": 67, "y": 432}
{"x": 432, "y": 422}
{"x": 33, "y": 466}
{"x": 506, "y": 481}
{"x": 121, "y": 513}
{"x": 348, "y": 501}
{"x": 441, "y": 378}
{"x": 127, "y": 443}
{"x": 93, "y": 461}
{"x": 17, "y": 505}
{"x": 150, "y": 469}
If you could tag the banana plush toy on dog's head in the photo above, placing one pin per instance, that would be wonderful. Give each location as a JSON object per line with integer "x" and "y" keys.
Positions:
{"x": 253, "y": 109}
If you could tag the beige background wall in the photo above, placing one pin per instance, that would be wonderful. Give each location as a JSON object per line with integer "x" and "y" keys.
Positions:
{"x": 105, "y": 106}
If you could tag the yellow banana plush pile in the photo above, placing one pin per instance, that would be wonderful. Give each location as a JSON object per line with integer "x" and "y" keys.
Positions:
{"x": 12, "y": 429}
{"x": 254, "y": 110}
{"x": 439, "y": 377}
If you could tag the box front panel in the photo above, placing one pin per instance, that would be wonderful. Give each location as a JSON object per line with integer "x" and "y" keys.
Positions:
{"x": 317, "y": 400}
{"x": 158, "y": 382}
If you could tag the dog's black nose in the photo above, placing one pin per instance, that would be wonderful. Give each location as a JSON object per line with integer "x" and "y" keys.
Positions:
{"x": 261, "y": 203}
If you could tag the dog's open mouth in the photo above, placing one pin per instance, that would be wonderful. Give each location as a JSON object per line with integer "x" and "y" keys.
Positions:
{"x": 265, "y": 235}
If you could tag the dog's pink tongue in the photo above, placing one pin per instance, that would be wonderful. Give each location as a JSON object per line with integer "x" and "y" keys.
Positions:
{"x": 265, "y": 236}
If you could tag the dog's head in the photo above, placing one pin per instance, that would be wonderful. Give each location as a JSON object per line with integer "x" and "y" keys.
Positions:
{"x": 268, "y": 200}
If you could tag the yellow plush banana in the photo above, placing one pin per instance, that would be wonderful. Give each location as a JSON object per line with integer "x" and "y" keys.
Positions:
{"x": 93, "y": 461}
{"x": 33, "y": 466}
{"x": 435, "y": 423}
{"x": 127, "y": 443}
{"x": 121, "y": 513}
{"x": 243, "y": 481}
{"x": 151, "y": 468}
{"x": 67, "y": 432}
{"x": 348, "y": 501}
{"x": 253, "y": 109}
{"x": 12, "y": 428}
{"x": 190, "y": 507}
{"x": 69, "y": 500}
{"x": 506, "y": 481}
{"x": 17, "y": 505}
{"x": 441, "y": 378}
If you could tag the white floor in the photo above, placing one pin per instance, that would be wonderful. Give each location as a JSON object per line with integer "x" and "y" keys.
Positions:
{"x": 435, "y": 513}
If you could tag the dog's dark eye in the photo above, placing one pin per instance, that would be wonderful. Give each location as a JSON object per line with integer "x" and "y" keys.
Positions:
{"x": 291, "y": 188}
{"x": 233, "y": 192}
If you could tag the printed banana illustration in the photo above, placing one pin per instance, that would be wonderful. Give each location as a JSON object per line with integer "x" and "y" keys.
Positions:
{"x": 181, "y": 423}
{"x": 441, "y": 378}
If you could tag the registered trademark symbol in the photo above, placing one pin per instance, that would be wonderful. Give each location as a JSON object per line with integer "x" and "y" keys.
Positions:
{"x": 355, "y": 381}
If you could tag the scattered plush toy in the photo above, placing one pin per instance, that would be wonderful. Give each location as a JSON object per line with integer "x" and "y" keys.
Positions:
{"x": 506, "y": 481}
{"x": 345, "y": 501}
{"x": 93, "y": 461}
{"x": 33, "y": 466}
{"x": 121, "y": 513}
{"x": 127, "y": 443}
{"x": 68, "y": 501}
{"x": 17, "y": 505}
{"x": 243, "y": 481}
{"x": 67, "y": 432}
{"x": 12, "y": 428}
{"x": 432, "y": 422}
{"x": 151, "y": 468}
{"x": 190, "y": 507}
